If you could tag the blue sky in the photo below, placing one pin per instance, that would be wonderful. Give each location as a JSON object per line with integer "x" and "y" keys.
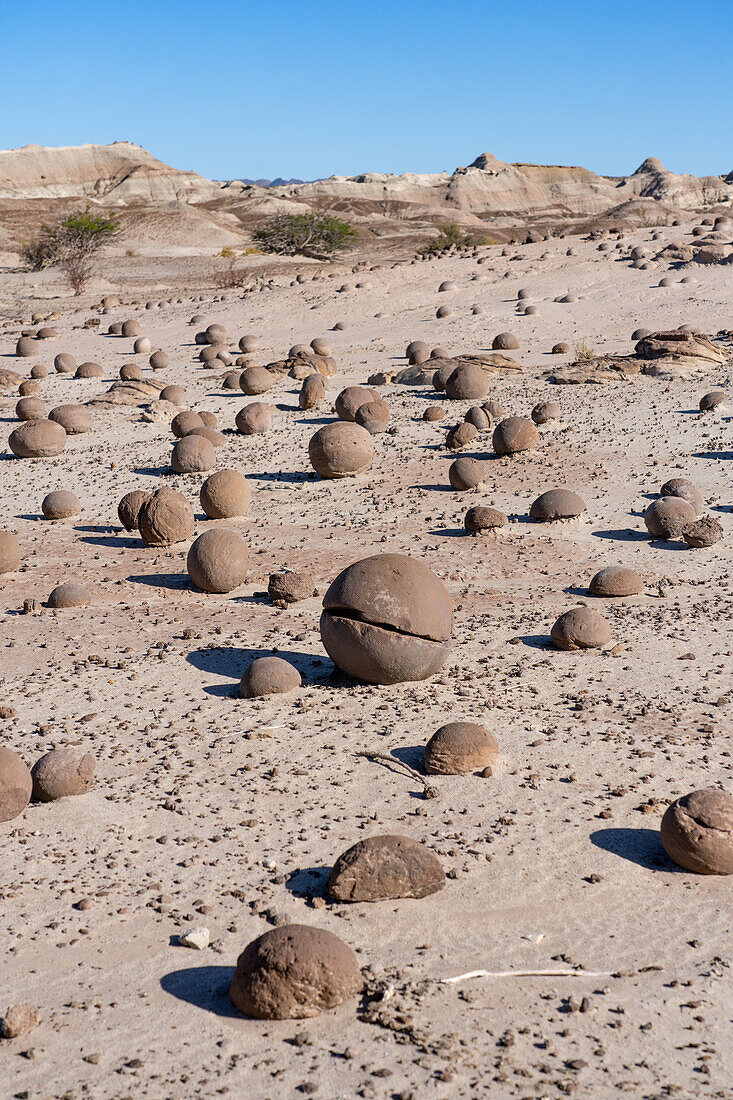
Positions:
{"x": 310, "y": 89}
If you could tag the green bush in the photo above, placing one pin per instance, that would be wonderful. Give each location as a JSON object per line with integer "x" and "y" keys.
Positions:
{"x": 72, "y": 245}
{"x": 310, "y": 234}
{"x": 448, "y": 236}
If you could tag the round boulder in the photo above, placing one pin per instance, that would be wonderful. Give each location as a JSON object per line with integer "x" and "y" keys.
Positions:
{"x": 580, "y": 628}
{"x": 703, "y": 532}
{"x": 165, "y": 518}
{"x": 255, "y": 380}
{"x": 341, "y": 449}
{"x": 665, "y": 518}
{"x": 697, "y": 832}
{"x": 89, "y": 370}
{"x": 256, "y": 418}
{"x": 128, "y": 510}
{"x": 217, "y": 561}
{"x": 616, "y": 580}
{"x": 37, "y": 439}
{"x": 681, "y": 487}
{"x": 61, "y": 504}
{"x": 349, "y": 400}
{"x": 711, "y": 400}
{"x": 16, "y": 784}
{"x": 62, "y": 773}
{"x": 225, "y": 494}
{"x": 505, "y": 341}
{"x": 268, "y": 676}
{"x": 387, "y": 619}
{"x": 293, "y": 973}
{"x": 74, "y": 419}
{"x": 194, "y": 454}
{"x": 516, "y": 433}
{"x": 482, "y": 518}
{"x": 312, "y": 392}
{"x": 69, "y": 595}
{"x": 468, "y": 382}
{"x": 467, "y": 473}
{"x": 557, "y": 504}
{"x": 65, "y": 363}
{"x": 460, "y": 747}
{"x": 159, "y": 360}
{"x": 30, "y": 408}
{"x": 383, "y": 868}
{"x": 545, "y": 411}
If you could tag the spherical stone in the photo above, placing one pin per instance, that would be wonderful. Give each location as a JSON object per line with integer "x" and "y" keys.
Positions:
{"x": 62, "y": 773}
{"x": 531, "y": 311}
{"x": 254, "y": 380}
{"x": 505, "y": 341}
{"x": 545, "y": 411}
{"x": 16, "y": 784}
{"x": 69, "y": 595}
{"x": 616, "y": 580}
{"x": 209, "y": 355}
{"x": 74, "y": 419}
{"x": 9, "y": 552}
{"x": 208, "y": 419}
{"x": 478, "y": 416}
{"x": 184, "y": 422}
{"x": 711, "y": 400}
{"x": 665, "y": 518}
{"x": 341, "y": 449}
{"x": 298, "y": 349}
{"x": 703, "y": 533}
{"x": 561, "y": 348}
{"x": 193, "y": 454}
{"x": 494, "y": 408}
{"x": 130, "y": 328}
{"x": 37, "y": 439}
{"x": 416, "y": 345}
{"x": 468, "y": 382}
{"x": 142, "y": 346}
{"x": 215, "y": 437}
{"x": 516, "y": 433}
{"x": 64, "y": 363}
{"x": 175, "y": 394}
{"x": 666, "y": 281}
{"x": 580, "y": 628}
{"x": 639, "y": 334}
{"x": 166, "y": 517}
{"x": 349, "y": 400}
{"x": 30, "y": 408}
{"x": 215, "y": 334}
{"x": 417, "y": 358}
{"x": 446, "y": 286}
{"x": 441, "y": 376}
{"x": 460, "y": 435}
{"x": 39, "y": 371}
{"x": 218, "y": 560}
{"x": 373, "y": 410}
{"x": 231, "y": 381}
{"x": 130, "y": 372}
{"x": 467, "y": 473}
{"x": 383, "y": 868}
{"x": 387, "y": 619}
{"x": 557, "y": 504}
{"x": 225, "y": 494}
{"x": 115, "y": 329}
{"x": 61, "y": 504}
{"x": 128, "y": 510}
{"x": 89, "y": 370}
{"x": 433, "y": 413}
{"x": 26, "y": 347}
{"x": 312, "y": 392}
{"x": 321, "y": 347}
{"x": 483, "y": 518}
{"x": 697, "y": 832}
{"x": 30, "y": 388}
{"x": 256, "y": 418}
{"x": 159, "y": 360}
{"x": 460, "y": 747}
{"x": 681, "y": 487}
{"x": 249, "y": 344}
{"x": 443, "y": 311}
{"x": 293, "y": 973}
{"x": 268, "y": 676}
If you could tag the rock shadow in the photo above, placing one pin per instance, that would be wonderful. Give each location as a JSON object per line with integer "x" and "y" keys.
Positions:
{"x": 308, "y": 882}
{"x": 205, "y": 987}
{"x": 640, "y": 846}
{"x": 231, "y": 661}
{"x": 627, "y": 535}
{"x": 173, "y": 581}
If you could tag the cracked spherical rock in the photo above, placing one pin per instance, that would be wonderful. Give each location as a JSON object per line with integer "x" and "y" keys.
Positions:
{"x": 383, "y": 868}
{"x": 128, "y": 510}
{"x": 62, "y": 773}
{"x": 581, "y": 628}
{"x": 387, "y": 619}
{"x": 225, "y": 495}
{"x": 74, "y": 419}
{"x": 194, "y": 454}
{"x": 60, "y": 504}
{"x": 341, "y": 449}
{"x": 37, "y": 439}
{"x": 556, "y": 504}
{"x": 697, "y": 832}
{"x": 667, "y": 517}
{"x": 256, "y": 418}
{"x": 468, "y": 382}
{"x": 293, "y": 973}
{"x": 460, "y": 747}
{"x": 704, "y": 532}
{"x": 616, "y": 580}
{"x": 515, "y": 433}
{"x": 460, "y": 435}
{"x": 268, "y": 676}
{"x": 16, "y": 784}
{"x": 9, "y": 552}
{"x": 349, "y": 400}
{"x": 483, "y": 518}
{"x": 165, "y": 518}
{"x": 217, "y": 561}
{"x": 69, "y": 595}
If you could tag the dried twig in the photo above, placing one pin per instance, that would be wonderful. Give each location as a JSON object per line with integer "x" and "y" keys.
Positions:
{"x": 399, "y": 765}
{"x": 567, "y": 973}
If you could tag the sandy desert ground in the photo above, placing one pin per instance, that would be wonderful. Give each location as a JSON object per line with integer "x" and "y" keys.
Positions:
{"x": 213, "y": 810}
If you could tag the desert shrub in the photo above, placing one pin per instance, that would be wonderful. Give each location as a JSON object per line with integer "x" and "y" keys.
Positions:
{"x": 227, "y": 252}
{"x": 449, "y": 235}
{"x": 309, "y": 234}
{"x": 584, "y": 351}
{"x": 72, "y": 244}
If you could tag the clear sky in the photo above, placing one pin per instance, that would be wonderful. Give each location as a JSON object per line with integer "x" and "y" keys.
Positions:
{"x": 309, "y": 88}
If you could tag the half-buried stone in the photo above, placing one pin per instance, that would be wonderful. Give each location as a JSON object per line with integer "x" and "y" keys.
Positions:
{"x": 545, "y": 411}
{"x": 217, "y": 561}
{"x": 293, "y": 973}
{"x": 616, "y": 580}
{"x": 383, "y": 868}
{"x": 697, "y": 832}
{"x": 16, "y": 784}
{"x": 387, "y": 619}
{"x": 580, "y": 628}
{"x": 557, "y": 504}
{"x": 69, "y": 595}
{"x": 62, "y": 773}
{"x": 268, "y": 676}
{"x": 482, "y": 518}
{"x": 460, "y": 747}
